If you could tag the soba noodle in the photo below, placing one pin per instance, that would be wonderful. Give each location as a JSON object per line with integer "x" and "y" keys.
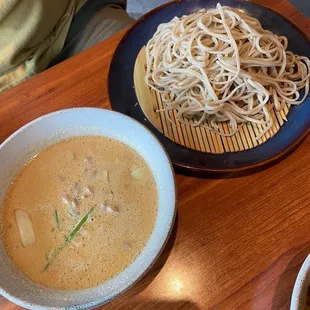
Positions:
{"x": 220, "y": 65}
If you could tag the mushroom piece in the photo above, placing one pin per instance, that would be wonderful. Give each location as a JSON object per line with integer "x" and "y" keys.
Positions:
{"x": 138, "y": 173}
{"x": 112, "y": 209}
{"x": 109, "y": 209}
{"x": 87, "y": 192}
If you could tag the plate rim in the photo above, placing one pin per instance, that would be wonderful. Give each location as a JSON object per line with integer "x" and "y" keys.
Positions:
{"x": 200, "y": 168}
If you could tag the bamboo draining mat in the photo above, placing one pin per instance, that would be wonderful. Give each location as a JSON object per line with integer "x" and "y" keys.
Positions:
{"x": 198, "y": 138}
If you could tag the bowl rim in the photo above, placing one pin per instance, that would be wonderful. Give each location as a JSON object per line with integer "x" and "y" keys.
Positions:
{"x": 92, "y": 304}
{"x": 301, "y": 281}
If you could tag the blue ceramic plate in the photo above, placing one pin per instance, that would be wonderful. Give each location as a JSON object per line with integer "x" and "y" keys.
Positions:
{"x": 123, "y": 97}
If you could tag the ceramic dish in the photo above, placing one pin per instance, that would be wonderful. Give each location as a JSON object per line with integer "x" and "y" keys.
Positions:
{"x": 49, "y": 129}
{"x": 123, "y": 97}
{"x": 301, "y": 287}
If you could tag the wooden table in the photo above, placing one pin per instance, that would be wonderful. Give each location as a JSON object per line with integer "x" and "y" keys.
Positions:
{"x": 237, "y": 243}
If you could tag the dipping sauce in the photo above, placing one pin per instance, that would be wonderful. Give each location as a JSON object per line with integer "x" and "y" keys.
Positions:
{"x": 79, "y": 212}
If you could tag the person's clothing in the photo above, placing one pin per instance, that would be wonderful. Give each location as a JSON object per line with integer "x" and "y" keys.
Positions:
{"x": 32, "y": 33}
{"x": 94, "y": 22}
{"x": 35, "y": 34}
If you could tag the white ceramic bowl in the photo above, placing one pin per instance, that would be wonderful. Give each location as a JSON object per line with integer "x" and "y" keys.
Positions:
{"x": 302, "y": 283}
{"x": 49, "y": 129}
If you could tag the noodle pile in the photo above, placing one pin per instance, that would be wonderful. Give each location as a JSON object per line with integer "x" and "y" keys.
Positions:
{"x": 220, "y": 65}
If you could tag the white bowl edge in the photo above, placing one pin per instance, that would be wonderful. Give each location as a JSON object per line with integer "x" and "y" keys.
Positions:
{"x": 301, "y": 285}
{"x": 63, "y": 124}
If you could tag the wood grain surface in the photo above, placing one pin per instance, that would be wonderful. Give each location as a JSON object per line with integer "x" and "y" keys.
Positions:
{"x": 237, "y": 243}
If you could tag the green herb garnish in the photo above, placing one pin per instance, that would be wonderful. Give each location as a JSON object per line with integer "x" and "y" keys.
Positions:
{"x": 69, "y": 238}
{"x": 57, "y": 218}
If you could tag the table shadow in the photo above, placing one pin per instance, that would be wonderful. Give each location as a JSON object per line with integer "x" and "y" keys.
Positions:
{"x": 284, "y": 288}
{"x": 164, "y": 305}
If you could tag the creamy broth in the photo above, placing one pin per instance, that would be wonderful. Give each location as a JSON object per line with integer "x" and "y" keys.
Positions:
{"x": 91, "y": 178}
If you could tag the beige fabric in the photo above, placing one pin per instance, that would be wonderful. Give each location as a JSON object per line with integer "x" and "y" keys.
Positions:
{"x": 79, "y": 4}
{"x": 32, "y": 33}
